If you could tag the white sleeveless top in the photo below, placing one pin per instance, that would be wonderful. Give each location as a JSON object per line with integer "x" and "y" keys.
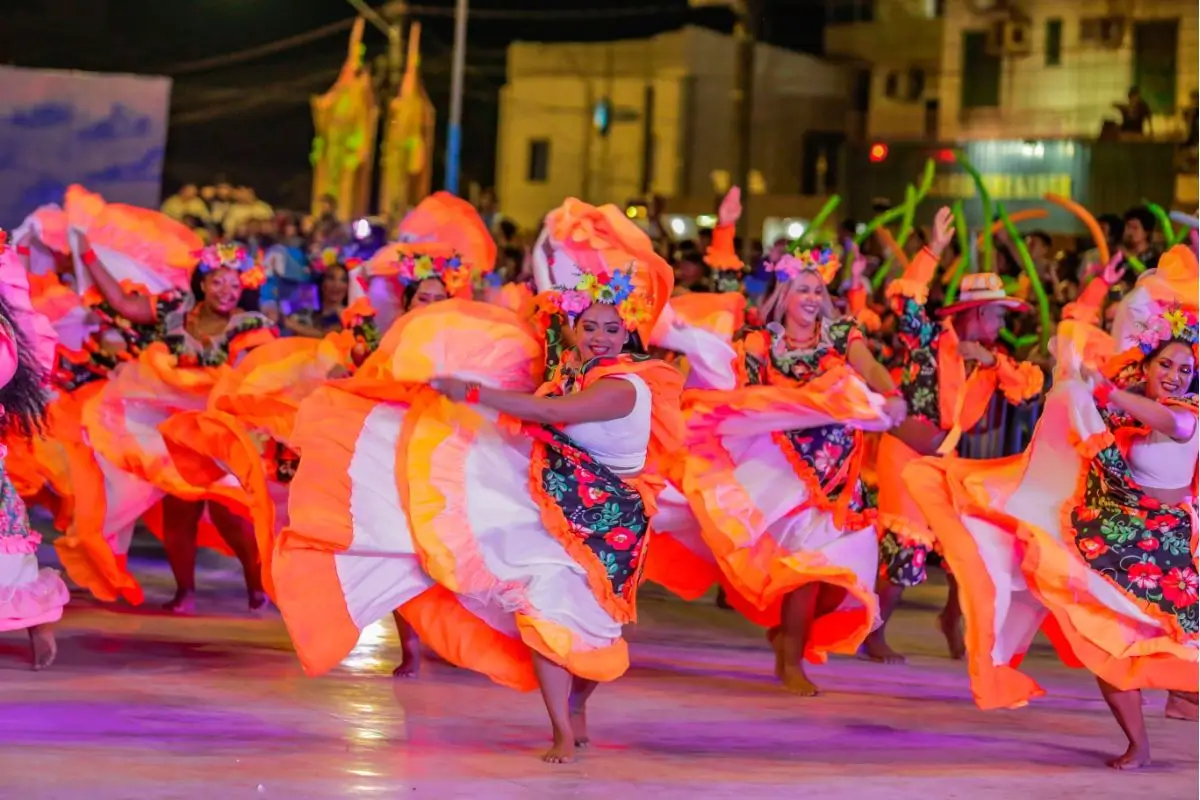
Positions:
{"x": 619, "y": 444}
{"x": 1159, "y": 462}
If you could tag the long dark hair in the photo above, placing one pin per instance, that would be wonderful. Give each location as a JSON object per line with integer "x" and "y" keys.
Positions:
{"x": 24, "y": 397}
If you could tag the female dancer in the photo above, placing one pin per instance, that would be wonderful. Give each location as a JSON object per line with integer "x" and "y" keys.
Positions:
{"x": 772, "y": 466}
{"x": 508, "y": 526}
{"x": 333, "y": 290}
{"x": 30, "y": 598}
{"x": 200, "y": 333}
{"x": 1094, "y": 524}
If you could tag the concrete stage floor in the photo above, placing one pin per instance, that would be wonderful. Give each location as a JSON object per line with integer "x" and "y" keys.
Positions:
{"x": 149, "y": 706}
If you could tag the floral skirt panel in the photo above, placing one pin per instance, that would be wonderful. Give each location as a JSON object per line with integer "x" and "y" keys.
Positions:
{"x": 597, "y": 516}
{"x": 1142, "y": 545}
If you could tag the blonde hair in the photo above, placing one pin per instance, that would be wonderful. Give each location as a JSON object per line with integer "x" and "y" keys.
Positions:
{"x": 774, "y": 308}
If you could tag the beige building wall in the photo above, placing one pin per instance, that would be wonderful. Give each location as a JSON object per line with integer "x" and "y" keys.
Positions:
{"x": 902, "y": 37}
{"x": 552, "y": 90}
{"x": 1074, "y": 97}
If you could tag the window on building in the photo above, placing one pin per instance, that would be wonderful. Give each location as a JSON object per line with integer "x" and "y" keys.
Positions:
{"x": 980, "y": 72}
{"x": 539, "y": 161}
{"x": 1054, "y": 29}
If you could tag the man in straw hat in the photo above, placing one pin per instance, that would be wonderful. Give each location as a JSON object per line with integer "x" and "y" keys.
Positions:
{"x": 950, "y": 373}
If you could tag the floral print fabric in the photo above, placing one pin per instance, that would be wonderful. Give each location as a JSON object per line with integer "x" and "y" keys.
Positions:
{"x": 824, "y": 458}
{"x": 599, "y": 509}
{"x": 14, "y": 522}
{"x": 173, "y": 309}
{"x": 1142, "y": 545}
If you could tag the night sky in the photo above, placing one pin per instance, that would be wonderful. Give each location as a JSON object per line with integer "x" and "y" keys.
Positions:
{"x": 249, "y": 121}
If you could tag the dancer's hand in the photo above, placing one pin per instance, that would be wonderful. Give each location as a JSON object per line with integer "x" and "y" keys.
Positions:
{"x": 974, "y": 351}
{"x": 943, "y": 231}
{"x": 451, "y": 388}
{"x": 1093, "y": 376}
{"x": 1113, "y": 271}
{"x": 895, "y": 409}
{"x": 730, "y": 209}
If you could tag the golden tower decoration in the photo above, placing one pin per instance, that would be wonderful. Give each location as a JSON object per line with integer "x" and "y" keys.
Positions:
{"x": 406, "y": 173}
{"x": 345, "y": 119}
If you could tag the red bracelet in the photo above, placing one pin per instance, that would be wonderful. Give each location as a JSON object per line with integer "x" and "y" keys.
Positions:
{"x": 88, "y": 258}
{"x": 472, "y": 397}
{"x": 23, "y": 250}
{"x": 1103, "y": 394}
{"x": 893, "y": 392}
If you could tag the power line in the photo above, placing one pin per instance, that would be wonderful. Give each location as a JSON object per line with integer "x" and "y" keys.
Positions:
{"x": 253, "y": 53}
{"x": 551, "y": 15}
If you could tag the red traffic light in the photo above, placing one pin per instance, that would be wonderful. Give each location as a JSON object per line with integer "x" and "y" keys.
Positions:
{"x": 878, "y": 152}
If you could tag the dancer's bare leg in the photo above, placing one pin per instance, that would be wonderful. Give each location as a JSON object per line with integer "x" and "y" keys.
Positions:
{"x": 1183, "y": 705}
{"x": 43, "y": 646}
{"x": 950, "y": 621}
{"x": 1126, "y": 706}
{"x": 581, "y": 690}
{"x": 238, "y": 533}
{"x": 876, "y": 648}
{"x": 555, "y": 683}
{"x": 799, "y": 608}
{"x": 181, "y": 522}
{"x": 410, "y": 648}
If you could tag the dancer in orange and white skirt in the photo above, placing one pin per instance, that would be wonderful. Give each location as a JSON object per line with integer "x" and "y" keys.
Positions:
{"x": 768, "y": 486}
{"x": 504, "y": 514}
{"x": 1091, "y": 533}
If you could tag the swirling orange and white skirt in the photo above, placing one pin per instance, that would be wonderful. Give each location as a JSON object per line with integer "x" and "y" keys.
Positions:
{"x": 744, "y": 509}
{"x": 1005, "y": 529}
{"x": 404, "y": 500}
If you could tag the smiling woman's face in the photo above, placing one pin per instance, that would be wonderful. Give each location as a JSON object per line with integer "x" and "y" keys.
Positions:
{"x": 807, "y": 298}
{"x": 1170, "y": 372}
{"x": 429, "y": 291}
{"x": 222, "y": 290}
{"x": 599, "y": 331}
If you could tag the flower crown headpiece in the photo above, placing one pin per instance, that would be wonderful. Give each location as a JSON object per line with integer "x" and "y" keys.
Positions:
{"x": 822, "y": 260}
{"x": 414, "y": 265}
{"x": 231, "y": 255}
{"x": 1176, "y": 324}
{"x": 331, "y": 257}
{"x": 610, "y": 288}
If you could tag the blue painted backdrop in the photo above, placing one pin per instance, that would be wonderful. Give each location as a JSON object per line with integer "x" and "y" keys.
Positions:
{"x": 106, "y": 132}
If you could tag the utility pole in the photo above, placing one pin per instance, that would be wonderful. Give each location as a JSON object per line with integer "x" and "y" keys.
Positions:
{"x": 454, "y": 131}
{"x": 745, "y": 29}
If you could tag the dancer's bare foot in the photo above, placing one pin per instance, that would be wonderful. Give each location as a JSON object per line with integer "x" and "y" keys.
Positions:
{"x": 1183, "y": 705}
{"x": 1136, "y": 757}
{"x": 579, "y": 726}
{"x": 876, "y": 649}
{"x": 184, "y": 602}
{"x": 951, "y": 627}
{"x": 796, "y": 681}
{"x": 410, "y": 658}
{"x": 562, "y": 751}
{"x": 43, "y": 645}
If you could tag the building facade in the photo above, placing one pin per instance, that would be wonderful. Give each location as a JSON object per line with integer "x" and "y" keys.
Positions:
{"x": 895, "y": 47}
{"x": 1017, "y": 69}
{"x": 614, "y": 121}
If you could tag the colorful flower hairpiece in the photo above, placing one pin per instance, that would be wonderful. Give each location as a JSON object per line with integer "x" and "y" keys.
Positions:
{"x": 822, "y": 260}
{"x": 326, "y": 258}
{"x": 610, "y": 288}
{"x": 231, "y": 255}
{"x": 414, "y": 266}
{"x": 1175, "y": 324}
